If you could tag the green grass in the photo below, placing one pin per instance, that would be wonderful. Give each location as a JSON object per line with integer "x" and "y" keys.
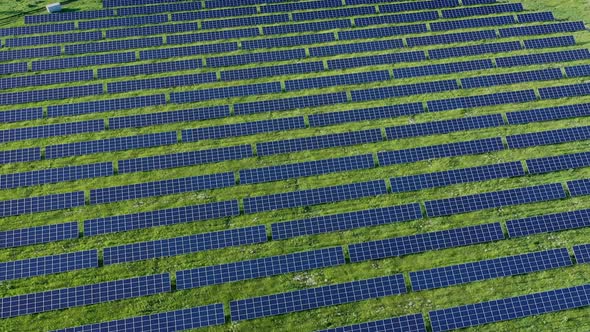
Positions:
{"x": 413, "y": 302}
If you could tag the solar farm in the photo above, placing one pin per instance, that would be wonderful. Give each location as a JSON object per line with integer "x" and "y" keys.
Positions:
{"x": 276, "y": 165}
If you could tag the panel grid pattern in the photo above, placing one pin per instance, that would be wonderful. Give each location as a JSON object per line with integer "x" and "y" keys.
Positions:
{"x": 105, "y": 105}
{"x": 582, "y": 253}
{"x": 48, "y": 265}
{"x": 548, "y": 223}
{"x": 512, "y": 78}
{"x": 225, "y": 92}
{"x": 83, "y": 61}
{"x": 404, "y": 90}
{"x": 45, "y": 79}
{"x": 442, "y": 69}
{"x": 243, "y": 129}
{"x": 161, "y": 82}
{"x": 56, "y": 175}
{"x": 41, "y": 203}
{"x": 482, "y": 100}
{"x": 21, "y": 115}
{"x": 153, "y": 119}
{"x": 290, "y": 103}
{"x": 149, "y": 68}
{"x": 59, "y": 129}
{"x": 40, "y": 234}
{"x": 336, "y": 80}
{"x": 444, "y": 126}
{"x": 407, "y": 323}
{"x": 548, "y": 137}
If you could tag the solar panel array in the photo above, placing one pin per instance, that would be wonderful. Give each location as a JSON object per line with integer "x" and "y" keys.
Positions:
{"x": 444, "y": 126}
{"x": 106, "y": 105}
{"x": 327, "y": 81}
{"x": 579, "y": 187}
{"x": 440, "y": 69}
{"x": 384, "y": 112}
{"x": 153, "y": 119}
{"x": 242, "y": 129}
{"x": 41, "y": 203}
{"x": 582, "y": 253}
{"x": 40, "y": 234}
{"x": 60, "y": 129}
{"x": 149, "y": 68}
{"x": 290, "y": 103}
{"x": 482, "y": 100}
{"x": 548, "y": 223}
{"x": 404, "y": 323}
{"x": 45, "y": 79}
{"x": 48, "y": 265}
{"x": 55, "y": 175}
{"x": 558, "y": 163}
{"x": 547, "y": 114}
{"x": 548, "y": 137}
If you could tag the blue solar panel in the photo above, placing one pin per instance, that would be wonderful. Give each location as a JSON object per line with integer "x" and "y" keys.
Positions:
{"x": 382, "y": 32}
{"x": 333, "y": 13}
{"x": 489, "y": 269}
{"x": 161, "y": 82}
{"x": 302, "y": 27}
{"x": 440, "y": 151}
{"x": 551, "y": 57}
{"x": 113, "y": 45}
{"x": 511, "y": 78}
{"x": 316, "y": 196}
{"x": 410, "y": 5}
{"x": 40, "y": 234}
{"x": 495, "y": 199}
{"x": 450, "y": 38}
{"x": 84, "y": 295}
{"x": 185, "y": 159}
{"x": 259, "y": 268}
{"x": 385, "y": 112}
{"x": 319, "y": 142}
{"x": 414, "y": 323}
{"x": 579, "y": 187}
{"x": 464, "y": 175}
{"x": 163, "y": 53}
{"x": 582, "y": 253}
{"x": 550, "y": 42}
{"x": 172, "y": 7}
{"x": 41, "y": 203}
{"x": 21, "y": 115}
{"x": 13, "y": 68}
{"x": 535, "y": 17}
{"x": 225, "y": 92}
{"x": 161, "y": 188}
{"x": 564, "y": 91}
{"x": 45, "y": 79}
{"x": 360, "y": 47}
{"x": 192, "y": 16}
{"x": 548, "y": 223}
{"x": 308, "y": 168}
{"x": 69, "y": 16}
{"x": 153, "y": 119}
{"x": 397, "y": 18}
{"x": 50, "y": 94}
{"x": 509, "y": 308}
{"x": 35, "y": 29}
{"x": 482, "y": 100}
{"x": 543, "y": 29}
{"x": 413, "y": 244}
{"x": 483, "y": 10}
{"x": 53, "y": 39}
{"x": 159, "y": 29}
{"x": 362, "y": 61}
{"x": 119, "y": 3}
{"x": 259, "y": 72}
{"x": 556, "y": 136}
{"x": 177, "y": 320}
{"x": 335, "y": 80}
{"x": 184, "y": 245}
{"x": 243, "y": 129}
{"x": 218, "y": 4}
{"x": 477, "y": 2}
{"x": 452, "y": 52}
{"x": 443, "y": 68}
{"x": 404, "y": 90}
{"x": 472, "y": 23}
{"x": 307, "y": 5}
{"x": 39, "y": 52}
{"x": 242, "y": 59}
{"x": 558, "y": 163}
{"x": 129, "y": 222}
{"x": 110, "y": 145}
{"x": 288, "y": 41}
{"x": 149, "y": 68}
{"x": 59, "y": 129}
{"x": 105, "y": 105}
{"x": 83, "y": 61}
{"x": 245, "y": 21}
{"x": 212, "y": 35}
{"x": 32, "y": 267}
{"x": 123, "y": 21}
{"x": 578, "y": 71}
{"x": 346, "y": 221}
{"x": 313, "y": 298}
{"x": 548, "y": 114}
{"x": 55, "y": 175}
{"x": 290, "y": 103}
{"x": 20, "y": 155}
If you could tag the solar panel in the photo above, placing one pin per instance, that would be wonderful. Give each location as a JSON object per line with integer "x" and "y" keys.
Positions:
{"x": 485, "y": 145}
{"x": 83, "y": 61}
{"x": 319, "y": 142}
{"x": 303, "y": 27}
{"x": 489, "y": 269}
{"x": 451, "y": 52}
{"x": 84, "y": 295}
{"x": 413, "y": 244}
{"x": 172, "y": 7}
{"x": 558, "y": 163}
{"x": 579, "y": 187}
{"x": 217, "y": 4}
{"x": 212, "y": 35}
{"x": 245, "y": 21}
{"x": 123, "y": 21}
{"x": 229, "y": 12}
{"x": 336, "y": 80}
{"x": 577, "y": 71}
{"x": 362, "y": 61}
{"x": 141, "y": 220}
{"x": 495, "y": 199}
{"x": 483, "y": 10}
{"x": 242, "y": 59}
{"x": 290, "y": 103}
{"x": 493, "y": 99}
{"x": 110, "y": 145}
{"x": 564, "y": 91}
{"x": 360, "y": 47}
{"x": 184, "y": 245}
{"x": 243, "y": 129}
{"x": 69, "y": 16}
{"x": 444, "y": 126}
{"x": 582, "y": 253}
{"x": 119, "y": 3}
{"x": 39, "y": 266}
{"x": 396, "y": 18}
{"x": 55, "y": 175}
{"x": 346, "y": 221}
{"x": 35, "y": 29}
{"x": 308, "y": 168}
{"x": 153, "y": 119}
{"x": 40, "y": 234}
{"x": 512, "y": 78}
{"x": 53, "y": 39}
{"x": 38, "y": 52}
{"x": 113, "y": 45}
{"x": 50, "y": 94}
{"x": 550, "y": 42}
{"x": 382, "y": 32}
{"x": 225, "y": 92}
{"x": 408, "y": 6}
{"x": 159, "y": 29}
{"x": 149, "y": 68}
{"x": 163, "y": 53}
{"x": 547, "y": 114}
{"x": 59, "y": 129}
{"x": 384, "y": 112}
{"x": 464, "y": 175}
{"x": 177, "y": 320}
{"x": 288, "y": 41}
{"x": 543, "y": 29}
{"x": 20, "y": 155}
{"x": 548, "y": 137}
{"x": 316, "y": 196}
{"x": 259, "y": 268}
{"x": 21, "y": 115}
{"x": 551, "y": 57}
{"x": 161, "y": 82}
{"x": 509, "y": 308}
{"x": 535, "y": 17}
{"x": 548, "y": 223}
{"x": 404, "y": 90}
{"x": 13, "y": 68}
{"x": 162, "y": 188}
{"x": 41, "y": 203}
{"x": 45, "y": 79}
{"x": 333, "y": 13}
{"x": 443, "y": 68}
{"x": 185, "y": 159}
{"x": 472, "y": 23}
{"x": 105, "y": 105}
{"x": 308, "y": 5}
{"x": 450, "y": 38}
{"x": 477, "y": 2}
{"x": 313, "y": 298}
{"x": 413, "y": 322}
{"x": 259, "y": 72}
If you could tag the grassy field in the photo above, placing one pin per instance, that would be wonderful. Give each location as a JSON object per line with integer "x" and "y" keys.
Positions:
{"x": 413, "y": 302}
